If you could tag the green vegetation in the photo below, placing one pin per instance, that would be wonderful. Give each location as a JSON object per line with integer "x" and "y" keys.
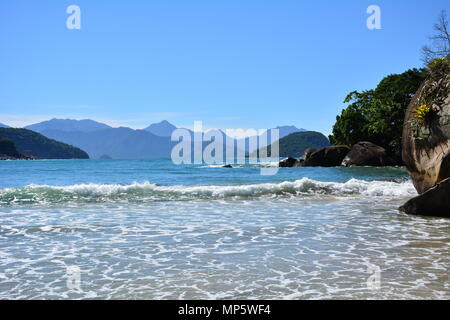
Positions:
{"x": 439, "y": 65}
{"x": 295, "y": 144}
{"x": 422, "y": 113}
{"x": 35, "y": 144}
{"x": 7, "y": 148}
{"x": 377, "y": 115}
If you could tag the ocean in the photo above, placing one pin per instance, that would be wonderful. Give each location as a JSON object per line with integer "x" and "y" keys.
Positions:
{"x": 149, "y": 229}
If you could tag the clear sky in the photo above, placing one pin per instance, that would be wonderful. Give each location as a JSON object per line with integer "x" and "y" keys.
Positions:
{"x": 230, "y": 63}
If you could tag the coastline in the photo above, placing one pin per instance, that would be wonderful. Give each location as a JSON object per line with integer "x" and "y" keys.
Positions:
{"x": 23, "y": 157}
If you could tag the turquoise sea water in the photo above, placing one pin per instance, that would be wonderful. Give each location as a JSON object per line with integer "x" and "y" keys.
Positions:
{"x": 149, "y": 229}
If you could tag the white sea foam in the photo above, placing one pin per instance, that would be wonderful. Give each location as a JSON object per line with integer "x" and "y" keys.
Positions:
{"x": 148, "y": 191}
{"x": 263, "y": 249}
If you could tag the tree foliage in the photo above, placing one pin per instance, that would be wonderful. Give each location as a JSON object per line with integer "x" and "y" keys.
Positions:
{"x": 377, "y": 115}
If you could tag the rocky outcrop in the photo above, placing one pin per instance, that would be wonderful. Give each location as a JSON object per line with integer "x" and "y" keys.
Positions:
{"x": 289, "y": 163}
{"x": 426, "y": 143}
{"x": 361, "y": 154}
{"x": 308, "y": 152}
{"x": 367, "y": 154}
{"x": 426, "y": 131}
{"x": 326, "y": 157}
{"x": 433, "y": 202}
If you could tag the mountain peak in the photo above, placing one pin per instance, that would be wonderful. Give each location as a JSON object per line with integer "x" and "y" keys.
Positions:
{"x": 85, "y": 125}
{"x": 287, "y": 130}
{"x": 163, "y": 128}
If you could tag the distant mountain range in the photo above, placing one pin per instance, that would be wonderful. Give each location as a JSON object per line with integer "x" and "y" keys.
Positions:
{"x": 102, "y": 141}
{"x": 4, "y": 126}
{"x": 68, "y": 125}
{"x": 116, "y": 143}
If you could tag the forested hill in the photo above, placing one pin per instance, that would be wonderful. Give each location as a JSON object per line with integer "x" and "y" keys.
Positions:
{"x": 295, "y": 144}
{"x": 34, "y": 144}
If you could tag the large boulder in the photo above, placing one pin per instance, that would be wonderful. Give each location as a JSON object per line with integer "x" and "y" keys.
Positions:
{"x": 433, "y": 202}
{"x": 426, "y": 130}
{"x": 326, "y": 157}
{"x": 289, "y": 163}
{"x": 308, "y": 152}
{"x": 367, "y": 154}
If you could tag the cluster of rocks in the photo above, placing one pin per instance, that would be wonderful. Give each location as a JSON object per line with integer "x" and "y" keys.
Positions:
{"x": 361, "y": 154}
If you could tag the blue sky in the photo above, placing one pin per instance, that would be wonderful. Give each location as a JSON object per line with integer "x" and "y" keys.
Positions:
{"x": 247, "y": 63}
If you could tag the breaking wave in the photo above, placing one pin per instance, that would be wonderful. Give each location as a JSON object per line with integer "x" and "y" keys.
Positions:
{"x": 146, "y": 191}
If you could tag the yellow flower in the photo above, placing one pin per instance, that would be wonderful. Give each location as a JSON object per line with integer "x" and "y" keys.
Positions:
{"x": 422, "y": 112}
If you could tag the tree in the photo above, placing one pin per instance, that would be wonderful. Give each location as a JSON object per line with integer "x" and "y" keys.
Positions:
{"x": 440, "y": 42}
{"x": 350, "y": 125}
{"x": 377, "y": 115}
